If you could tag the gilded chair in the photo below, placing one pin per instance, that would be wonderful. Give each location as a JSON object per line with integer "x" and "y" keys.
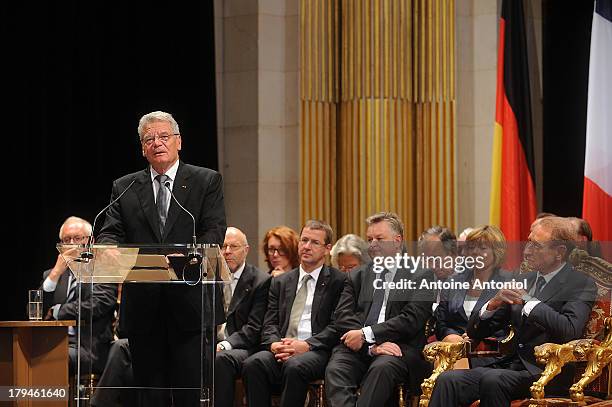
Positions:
{"x": 591, "y": 354}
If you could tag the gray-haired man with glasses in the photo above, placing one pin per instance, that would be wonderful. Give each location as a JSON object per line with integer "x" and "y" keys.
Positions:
{"x": 246, "y": 301}
{"x": 163, "y": 322}
{"x": 60, "y": 302}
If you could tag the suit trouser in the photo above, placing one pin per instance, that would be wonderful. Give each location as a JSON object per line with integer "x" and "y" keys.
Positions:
{"x": 72, "y": 360}
{"x": 261, "y": 372}
{"x": 228, "y": 367}
{"x": 117, "y": 374}
{"x": 377, "y": 376}
{"x": 161, "y": 362}
{"x": 493, "y": 386}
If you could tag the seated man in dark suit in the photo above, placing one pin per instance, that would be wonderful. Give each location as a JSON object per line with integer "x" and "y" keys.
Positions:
{"x": 60, "y": 302}
{"x": 246, "y": 304}
{"x": 298, "y": 332}
{"x": 384, "y": 329}
{"x": 554, "y": 308}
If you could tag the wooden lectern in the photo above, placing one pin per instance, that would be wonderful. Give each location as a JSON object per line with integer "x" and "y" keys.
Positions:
{"x": 34, "y": 354}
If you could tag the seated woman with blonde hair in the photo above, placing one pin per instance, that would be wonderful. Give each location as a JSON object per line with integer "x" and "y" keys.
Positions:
{"x": 280, "y": 246}
{"x": 349, "y": 252}
{"x": 487, "y": 245}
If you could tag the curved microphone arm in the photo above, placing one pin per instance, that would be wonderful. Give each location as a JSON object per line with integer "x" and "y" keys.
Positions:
{"x": 194, "y": 256}
{"x": 88, "y": 253}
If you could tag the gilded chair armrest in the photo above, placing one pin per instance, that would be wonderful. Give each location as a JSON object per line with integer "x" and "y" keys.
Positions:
{"x": 443, "y": 355}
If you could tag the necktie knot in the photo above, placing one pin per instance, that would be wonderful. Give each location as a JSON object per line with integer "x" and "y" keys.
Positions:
{"x": 162, "y": 178}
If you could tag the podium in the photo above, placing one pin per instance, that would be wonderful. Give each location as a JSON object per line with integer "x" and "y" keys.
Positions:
{"x": 166, "y": 288}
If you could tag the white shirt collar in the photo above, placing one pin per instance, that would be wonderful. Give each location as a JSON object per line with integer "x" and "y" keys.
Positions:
{"x": 314, "y": 274}
{"x": 171, "y": 173}
{"x": 549, "y": 276}
{"x": 238, "y": 272}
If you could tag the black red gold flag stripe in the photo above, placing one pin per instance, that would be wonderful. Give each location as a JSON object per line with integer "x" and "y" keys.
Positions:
{"x": 513, "y": 199}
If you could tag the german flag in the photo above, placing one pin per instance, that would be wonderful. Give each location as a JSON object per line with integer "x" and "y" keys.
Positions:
{"x": 513, "y": 201}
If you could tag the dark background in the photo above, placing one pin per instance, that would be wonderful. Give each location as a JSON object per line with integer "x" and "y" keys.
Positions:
{"x": 566, "y": 41}
{"x": 78, "y": 76}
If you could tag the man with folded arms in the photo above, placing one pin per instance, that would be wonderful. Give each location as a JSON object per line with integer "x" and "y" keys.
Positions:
{"x": 246, "y": 301}
{"x": 554, "y": 308}
{"x": 384, "y": 329}
{"x": 298, "y": 332}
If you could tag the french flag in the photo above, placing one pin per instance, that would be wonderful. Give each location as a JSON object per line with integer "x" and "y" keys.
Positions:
{"x": 597, "y": 200}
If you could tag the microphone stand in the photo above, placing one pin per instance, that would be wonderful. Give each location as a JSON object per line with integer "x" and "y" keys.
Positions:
{"x": 195, "y": 258}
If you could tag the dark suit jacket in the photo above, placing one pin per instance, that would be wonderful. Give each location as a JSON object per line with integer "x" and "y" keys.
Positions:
{"x": 280, "y": 300}
{"x": 247, "y": 308}
{"x": 450, "y": 315}
{"x": 103, "y": 305}
{"x": 560, "y": 317}
{"x": 406, "y": 314}
{"x": 133, "y": 219}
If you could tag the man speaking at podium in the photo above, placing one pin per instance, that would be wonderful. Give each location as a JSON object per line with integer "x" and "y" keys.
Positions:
{"x": 163, "y": 321}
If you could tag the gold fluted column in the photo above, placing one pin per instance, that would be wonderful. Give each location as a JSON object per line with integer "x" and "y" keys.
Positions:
{"x": 434, "y": 101}
{"x": 385, "y": 120}
{"x": 319, "y": 93}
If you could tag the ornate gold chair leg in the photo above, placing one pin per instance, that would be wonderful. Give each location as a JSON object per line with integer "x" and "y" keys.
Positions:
{"x": 445, "y": 354}
{"x": 320, "y": 401}
{"x": 401, "y": 400}
{"x": 598, "y": 358}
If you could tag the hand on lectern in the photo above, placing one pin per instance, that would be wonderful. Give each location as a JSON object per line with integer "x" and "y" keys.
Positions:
{"x": 108, "y": 256}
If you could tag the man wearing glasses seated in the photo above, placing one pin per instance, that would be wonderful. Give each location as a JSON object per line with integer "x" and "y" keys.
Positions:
{"x": 60, "y": 302}
{"x": 246, "y": 301}
{"x": 297, "y": 332}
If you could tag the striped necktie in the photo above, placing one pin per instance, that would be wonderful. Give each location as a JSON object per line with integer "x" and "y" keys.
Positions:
{"x": 539, "y": 285}
{"x": 162, "y": 201}
{"x": 72, "y": 285}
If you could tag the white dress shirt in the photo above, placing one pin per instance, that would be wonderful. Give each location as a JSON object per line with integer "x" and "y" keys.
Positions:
{"x": 49, "y": 286}
{"x": 236, "y": 276}
{"x": 367, "y": 331}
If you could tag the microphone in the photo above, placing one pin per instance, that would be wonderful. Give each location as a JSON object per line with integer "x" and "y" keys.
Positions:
{"x": 88, "y": 254}
{"x": 194, "y": 257}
